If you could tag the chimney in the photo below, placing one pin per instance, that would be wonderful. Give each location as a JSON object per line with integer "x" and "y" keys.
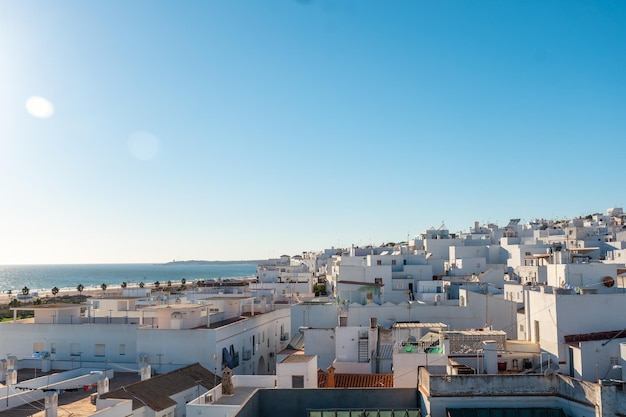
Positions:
{"x": 330, "y": 381}
{"x": 146, "y": 371}
{"x": 51, "y": 401}
{"x": 490, "y": 356}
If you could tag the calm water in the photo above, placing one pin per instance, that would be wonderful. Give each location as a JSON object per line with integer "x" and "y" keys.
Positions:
{"x": 45, "y": 277}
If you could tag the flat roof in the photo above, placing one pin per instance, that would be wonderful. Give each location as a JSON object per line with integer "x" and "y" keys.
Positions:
{"x": 58, "y": 306}
{"x": 238, "y": 297}
{"x": 298, "y": 358}
{"x": 185, "y": 306}
{"x": 368, "y": 284}
{"x": 476, "y": 332}
{"x": 417, "y": 325}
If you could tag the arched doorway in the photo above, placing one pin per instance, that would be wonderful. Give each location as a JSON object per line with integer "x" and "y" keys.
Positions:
{"x": 262, "y": 368}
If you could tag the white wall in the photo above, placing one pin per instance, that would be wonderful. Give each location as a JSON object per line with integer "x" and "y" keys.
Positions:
{"x": 320, "y": 342}
{"x": 405, "y": 366}
{"x": 286, "y": 369}
{"x": 19, "y": 339}
{"x": 584, "y": 275}
{"x": 200, "y": 343}
{"x": 558, "y": 315}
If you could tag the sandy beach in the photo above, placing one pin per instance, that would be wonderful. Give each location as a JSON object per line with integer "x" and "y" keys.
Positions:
{"x": 89, "y": 292}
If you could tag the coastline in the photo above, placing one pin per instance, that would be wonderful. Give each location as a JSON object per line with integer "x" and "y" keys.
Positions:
{"x": 89, "y": 292}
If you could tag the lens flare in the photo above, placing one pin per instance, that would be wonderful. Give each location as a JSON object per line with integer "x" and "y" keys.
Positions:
{"x": 39, "y": 107}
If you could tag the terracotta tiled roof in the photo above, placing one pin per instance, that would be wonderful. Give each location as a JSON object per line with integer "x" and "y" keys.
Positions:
{"x": 155, "y": 392}
{"x": 356, "y": 380}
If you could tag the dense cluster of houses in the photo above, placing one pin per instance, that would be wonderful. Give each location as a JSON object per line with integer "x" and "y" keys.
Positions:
{"x": 530, "y": 313}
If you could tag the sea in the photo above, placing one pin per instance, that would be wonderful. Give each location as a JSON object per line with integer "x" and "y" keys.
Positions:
{"x": 46, "y": 277}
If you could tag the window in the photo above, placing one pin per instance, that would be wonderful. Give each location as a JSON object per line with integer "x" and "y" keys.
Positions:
{"x": 99, "y": 349}
{"x": 37, "y": 347}
{"x": 378, "y": 281}
{"x": 122, "y": 349}
{"x": 537, "y": 336}
{"x": 521, "y": 328}
{"x": 393, "y": 262}
{"x": 297, "y": 381}
{"x": 53, "y": 347}
{"x": 379, "y": 262}
{"x": 75, "y": 349}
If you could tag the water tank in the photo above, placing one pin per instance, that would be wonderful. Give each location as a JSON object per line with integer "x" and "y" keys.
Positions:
{"x": 11, "y": 378}
{"x": 11, "y": 362}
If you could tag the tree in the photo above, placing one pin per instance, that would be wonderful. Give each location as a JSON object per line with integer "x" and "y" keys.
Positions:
{"x": 183, "y": 281}
{"x": 14, "y": 302}
{"x": 157, "y": 285}
{"x": 124, "y": 284}
{"x": 141, "y": 284}
{"x": 80, "y": 288}
{"x": 25, "y": 290}
{"x": 104, "y": 287}
{"x": 55, "y": 291}
{"x": 169, "y": 283}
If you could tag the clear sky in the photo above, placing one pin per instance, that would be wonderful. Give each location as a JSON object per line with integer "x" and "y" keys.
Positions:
{"x": 146, "y": 131}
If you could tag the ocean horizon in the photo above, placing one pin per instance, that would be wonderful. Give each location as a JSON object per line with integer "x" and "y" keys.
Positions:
{"x": 68, "y": 276}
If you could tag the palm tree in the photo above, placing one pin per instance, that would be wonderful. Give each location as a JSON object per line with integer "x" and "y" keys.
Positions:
{"x": 183, "y": 281}
{"x": 104, "y": 287}
{"x": 55, "y": 291}
{"x": 25, "y": 290}
{"x": 124, "y": 284}
{"x": 157, "y": 285}
{"x": 14, "y": 302}
{"x": 80, "y": 288}
{"x": 141, "y": 284}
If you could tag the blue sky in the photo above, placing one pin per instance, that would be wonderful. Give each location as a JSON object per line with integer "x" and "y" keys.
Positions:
{"x": 145, "y": 131}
